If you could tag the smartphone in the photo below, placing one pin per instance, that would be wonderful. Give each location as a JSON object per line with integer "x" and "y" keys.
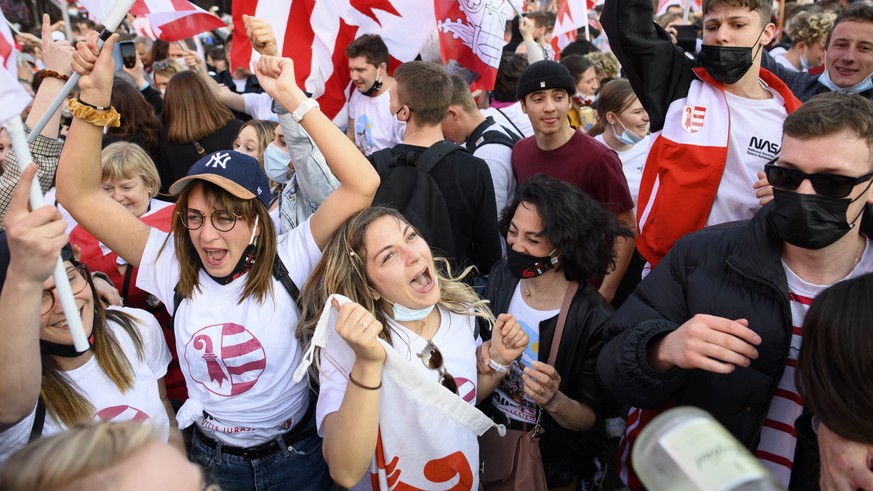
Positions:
{"x": 128, "y": 53}
{"x": 124, "y": 54}
{"x": 686, "y": 37}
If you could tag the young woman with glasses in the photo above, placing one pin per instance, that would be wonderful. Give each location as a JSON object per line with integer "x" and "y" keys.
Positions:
{"x": 49, "y": 386}
{"x": 401, "y": 294}
{"x": 218, "y": 270}
{"x": 556, "y": 236}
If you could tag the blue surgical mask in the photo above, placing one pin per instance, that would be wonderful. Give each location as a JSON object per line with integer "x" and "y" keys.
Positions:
{"x": 804, "y": 64}
{"x": 404, "y": 314}
{"x": 825, "y": 79}
{"x": 627, "y": 136}
{"x": 276, "y": 163}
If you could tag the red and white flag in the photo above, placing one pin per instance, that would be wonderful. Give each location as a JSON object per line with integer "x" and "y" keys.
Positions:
{"x": 572, "y": 15}
{"x": 315, "y": 33}
{"x": 13, "y": 98}
{"x": 174, "y": 20}
{"x": 471, "y": 34}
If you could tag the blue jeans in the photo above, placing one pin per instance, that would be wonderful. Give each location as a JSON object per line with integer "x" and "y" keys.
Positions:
{"x": 300, "y": 467}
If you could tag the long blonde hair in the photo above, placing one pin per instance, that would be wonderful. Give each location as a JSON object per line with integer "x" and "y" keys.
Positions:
{"x": 342, "y": 270}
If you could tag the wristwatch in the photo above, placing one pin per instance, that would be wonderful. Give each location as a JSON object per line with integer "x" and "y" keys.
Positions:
{"x": 304, "y": 107}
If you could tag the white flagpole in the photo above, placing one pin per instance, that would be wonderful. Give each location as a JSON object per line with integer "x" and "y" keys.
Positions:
{"x": 65, "y": 14}
{"x": 111, "y": 22}
{"x": 585, "y": 9}
{"x": 62, "y": 282}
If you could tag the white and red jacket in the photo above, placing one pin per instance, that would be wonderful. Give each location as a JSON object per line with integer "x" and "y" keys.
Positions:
{"x": 686, "y": 163}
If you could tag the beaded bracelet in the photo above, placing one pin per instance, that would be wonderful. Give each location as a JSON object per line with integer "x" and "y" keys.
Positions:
{"x": 52, "y": 74}
{"x": 366, "y": 387}
{"x": 98, "y": 116}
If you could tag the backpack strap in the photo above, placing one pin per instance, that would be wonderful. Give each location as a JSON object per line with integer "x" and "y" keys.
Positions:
{"x": 518, "y": 131}
{"x": 280, "y": 273}
{"x": 435, "y": 154}
{"x": 381, "y": 160}
{"x": 38, "y": 421}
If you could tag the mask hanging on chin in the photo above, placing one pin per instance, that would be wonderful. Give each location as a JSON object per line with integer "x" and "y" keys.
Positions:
{"x": 727, "y": 64}
{"x": 377, "y": 85}
{"x": 863, "y": 85}
{"x": 65, "y": 350}
{"x": 405, "y": 314}
{"x": 627, "y": 136}
{"x": 245, "y": 262}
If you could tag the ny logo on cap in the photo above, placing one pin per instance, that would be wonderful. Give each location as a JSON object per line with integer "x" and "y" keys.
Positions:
{"x": 218, "y": 159}
{"x": 542, "y": 85}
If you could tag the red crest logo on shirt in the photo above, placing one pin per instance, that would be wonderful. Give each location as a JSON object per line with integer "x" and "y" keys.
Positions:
{"x": 226, "y": 359}
{"x": 692, "y": 118}
{"x": 121, "y": 413}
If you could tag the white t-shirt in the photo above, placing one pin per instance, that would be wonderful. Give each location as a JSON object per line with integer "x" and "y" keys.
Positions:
{"x": 455, "y": 340}
{"x": 778, "y": 440}
{"x": 499, "y": 159}
{"x": 782, "y": 60}
{"x": 755, "y": 139}
{"x": 237, "y": 358}
{"x": 375, "y": 126}
{"x": 140, "y": 403}
{"x": 509, "y": 396}
{"x": 633, "y": 161}
{"x": 259, "y": 106}
{"x": 512, "y": 117}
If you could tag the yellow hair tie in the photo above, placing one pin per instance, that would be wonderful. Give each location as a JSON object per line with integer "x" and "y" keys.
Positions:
{"x": 93, "y": 115}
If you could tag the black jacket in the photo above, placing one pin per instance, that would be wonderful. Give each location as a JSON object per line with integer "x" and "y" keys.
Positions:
{"x": 577, "y": 356}
{"x": 176, "y": 158}
{"x": 733, "y": 271}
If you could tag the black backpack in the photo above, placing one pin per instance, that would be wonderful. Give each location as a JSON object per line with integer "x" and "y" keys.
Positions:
{"x": 486, "y": 137}
{"x": 408, "y": 187}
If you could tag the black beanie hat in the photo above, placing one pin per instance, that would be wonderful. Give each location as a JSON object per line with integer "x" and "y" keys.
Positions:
{"x": 66, "y": 255}
{"x": 544, "y": 75}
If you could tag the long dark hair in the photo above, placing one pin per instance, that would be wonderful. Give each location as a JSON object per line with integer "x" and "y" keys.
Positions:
{"x": 581, "y": 231}
{"x": 139, "y": 123}
{"x": 835, "y": 365}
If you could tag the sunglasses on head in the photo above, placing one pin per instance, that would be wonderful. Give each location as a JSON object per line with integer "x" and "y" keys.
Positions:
{"x": 433, "y": 359}
{"x": 829, "y": 185}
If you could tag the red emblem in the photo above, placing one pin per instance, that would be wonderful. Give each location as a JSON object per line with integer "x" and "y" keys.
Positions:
{"x": 692, "y": 118}
{"x": 226, "y": 359}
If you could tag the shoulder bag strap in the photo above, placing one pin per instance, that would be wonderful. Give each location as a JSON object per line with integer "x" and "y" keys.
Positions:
{"x": 510, "y": 122}
{"x": 562, "y": 319}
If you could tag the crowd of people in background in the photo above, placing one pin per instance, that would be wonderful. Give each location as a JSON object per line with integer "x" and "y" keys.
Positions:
{"x": 673, "y": 211}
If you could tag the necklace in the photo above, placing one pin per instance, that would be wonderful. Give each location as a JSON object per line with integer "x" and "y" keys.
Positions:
{"x": 859, "y": 252}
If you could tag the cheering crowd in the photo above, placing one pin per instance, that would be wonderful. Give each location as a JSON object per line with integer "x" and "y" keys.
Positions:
{"x": 673, "y": 213}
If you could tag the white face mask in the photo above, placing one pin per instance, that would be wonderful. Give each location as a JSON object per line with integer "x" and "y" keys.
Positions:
{"x": 276, "y": 163}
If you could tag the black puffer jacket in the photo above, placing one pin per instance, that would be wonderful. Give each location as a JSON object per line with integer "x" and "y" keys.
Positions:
{"x": 576, "y": 360}
{"x": 733, "y": 271}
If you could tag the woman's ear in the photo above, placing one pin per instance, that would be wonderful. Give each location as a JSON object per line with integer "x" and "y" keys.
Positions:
{"x": 375, "y": 295}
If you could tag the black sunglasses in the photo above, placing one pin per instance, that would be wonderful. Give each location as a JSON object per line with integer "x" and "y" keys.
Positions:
{"x": 433, "y": 359}
{"x": 830, "y": 185}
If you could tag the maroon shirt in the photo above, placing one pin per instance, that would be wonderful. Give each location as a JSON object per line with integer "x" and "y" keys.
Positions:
{"x": 583, "y": 162}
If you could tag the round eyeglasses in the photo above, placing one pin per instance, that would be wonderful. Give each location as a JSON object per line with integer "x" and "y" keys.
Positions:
{"x": 222, "y": 220}
{"x": 78, "y": 282}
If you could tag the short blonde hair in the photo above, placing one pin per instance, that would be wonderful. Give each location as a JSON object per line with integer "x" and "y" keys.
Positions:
{"x": 80, "y": 458}
{"x": 125, "y": 160}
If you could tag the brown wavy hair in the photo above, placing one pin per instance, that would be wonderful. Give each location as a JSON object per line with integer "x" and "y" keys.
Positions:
{"x": 259, "y": 280}
{"x": 62, "y": 399}
{"x": 191, "y": 111}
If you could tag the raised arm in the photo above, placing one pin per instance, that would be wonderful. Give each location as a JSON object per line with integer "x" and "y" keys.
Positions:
{"x": 35, "y": 240}
{"x": 659, "y": 71}
{"x": 358, "y": 180}
{"x": 79, "y": 171}
{"x": 315, "y": 181}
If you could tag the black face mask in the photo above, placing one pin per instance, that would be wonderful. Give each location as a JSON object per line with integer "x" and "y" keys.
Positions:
{"x": 371, "y": 92}
{"x": 810, "y": 221}
{"x": 524, "y": 266}
{"x": 64, "y": 350}
{"x": 245, "y": 263}
{"x": 727, "y": 64}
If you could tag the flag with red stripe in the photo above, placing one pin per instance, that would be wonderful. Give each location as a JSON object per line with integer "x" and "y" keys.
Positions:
{"x": 174, "y": 20}
{"x": 315, "y": 34}
{"x": 471, "y": 34}
{"x": 13, "y": 98}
